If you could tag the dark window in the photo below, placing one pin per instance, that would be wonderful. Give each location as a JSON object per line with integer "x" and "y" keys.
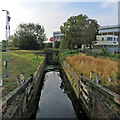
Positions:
{"x": 114, "y": 39}
{"x": 109, "y": 38}
{"x": 102, "y": 39}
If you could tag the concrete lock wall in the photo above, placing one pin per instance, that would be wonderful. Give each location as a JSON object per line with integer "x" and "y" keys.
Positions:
{"x": 97, "y": 101}
{"x": 21, "y": 102}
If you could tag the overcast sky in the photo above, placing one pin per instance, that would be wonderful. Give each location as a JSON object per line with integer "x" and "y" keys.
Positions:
{"x": 53, "y": 13}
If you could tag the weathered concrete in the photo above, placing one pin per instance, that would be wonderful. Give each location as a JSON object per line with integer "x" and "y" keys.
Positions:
{"x": 20, "y": 103}
{"x": 97, "y": 101}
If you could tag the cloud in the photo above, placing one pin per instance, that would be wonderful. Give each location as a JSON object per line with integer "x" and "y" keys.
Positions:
{"x": 110, "y": 3}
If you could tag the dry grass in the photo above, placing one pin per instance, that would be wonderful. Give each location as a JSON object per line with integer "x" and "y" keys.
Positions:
{"x": 104, "y": 67}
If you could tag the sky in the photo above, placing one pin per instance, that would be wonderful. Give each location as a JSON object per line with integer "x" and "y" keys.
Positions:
{"x": 53, "y": 13}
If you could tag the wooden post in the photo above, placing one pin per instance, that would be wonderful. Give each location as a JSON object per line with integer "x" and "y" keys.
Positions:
{"x": 31, "y": 76}
{"x": 22, "y": 78}
{"x": 18, "y": 81}
{"x": 92, "y": 76}
{"x": 97, "y": 78}
{"x": 37, "y": 56}
{"x": 118, "y": 77}
{"x": 110, "y": 80}
{"x": 79, "y": 88}
{"x": 81, "y": 76}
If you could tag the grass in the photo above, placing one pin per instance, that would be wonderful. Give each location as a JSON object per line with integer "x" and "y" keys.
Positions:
{"x": 21, "y": 61}
{"x": 104, "y": 67}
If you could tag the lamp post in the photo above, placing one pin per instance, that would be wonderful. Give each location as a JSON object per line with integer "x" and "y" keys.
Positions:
{"x": 7, "y": 37}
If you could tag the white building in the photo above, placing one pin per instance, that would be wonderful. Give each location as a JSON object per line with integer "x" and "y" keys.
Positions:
{"x": 108, "y": 38}
{"x": 110, "y": 42}
{"x": 57, "y": 36}
{"x": 109, "y": 30}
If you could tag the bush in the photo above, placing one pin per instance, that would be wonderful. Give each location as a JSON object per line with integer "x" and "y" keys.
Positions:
{"x": 66, "y": 53}
{"x": 57, "y": 44}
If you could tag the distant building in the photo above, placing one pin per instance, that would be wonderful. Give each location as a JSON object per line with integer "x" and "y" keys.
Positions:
{"x": 57, "y": 36}
{"x": 110, "y": 42}
{"x": 109, "y": 30}
{"x": 108, "y": 38}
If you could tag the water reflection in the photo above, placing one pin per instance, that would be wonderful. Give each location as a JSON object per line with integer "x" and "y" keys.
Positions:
{"x": 57, "y": 98}
{"x": 53, "y": 102}
{"x": 67, "y": 88}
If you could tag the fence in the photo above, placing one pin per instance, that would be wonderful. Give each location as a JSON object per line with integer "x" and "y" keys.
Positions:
{"x": 18, "y": 102}
{"x": 97, "y": 101}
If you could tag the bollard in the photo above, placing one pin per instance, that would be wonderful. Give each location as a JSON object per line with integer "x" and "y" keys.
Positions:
{"x": 18, "y": 81}
{"x": 97, "y": 78}
{"x": 92, "y": 76}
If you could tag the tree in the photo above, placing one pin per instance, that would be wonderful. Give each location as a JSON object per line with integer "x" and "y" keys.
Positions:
{"x": 29, "y": 36}
{"x": 3, "y": 44}
{"x": 57, "y": 44}
{"x": 79, "y": 30}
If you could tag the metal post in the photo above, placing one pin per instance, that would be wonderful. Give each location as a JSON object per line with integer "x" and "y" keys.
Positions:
{"x": 7, "y": 36}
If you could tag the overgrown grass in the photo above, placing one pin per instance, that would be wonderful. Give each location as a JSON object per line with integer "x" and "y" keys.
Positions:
{"x": 104, "y": 64}
{"x": 104, "y": 67}
{"x": 21, "y": 61}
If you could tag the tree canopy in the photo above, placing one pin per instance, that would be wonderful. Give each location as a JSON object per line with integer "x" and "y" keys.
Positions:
{"x": 29, "y": 36}
{"x": 79, "y": 30}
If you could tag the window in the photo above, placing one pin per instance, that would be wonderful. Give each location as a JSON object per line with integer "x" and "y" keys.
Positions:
{"x": 102, "y": 39}
{"x": 114, "y": 39}
{"x": 109, "y": 38}
{"x": 55, "y": 37}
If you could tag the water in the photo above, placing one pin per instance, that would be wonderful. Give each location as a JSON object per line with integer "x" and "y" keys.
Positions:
{"x": 54, "y": 101}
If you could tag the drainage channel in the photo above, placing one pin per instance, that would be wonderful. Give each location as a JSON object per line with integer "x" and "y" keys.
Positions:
{"x": 57, "y": 100}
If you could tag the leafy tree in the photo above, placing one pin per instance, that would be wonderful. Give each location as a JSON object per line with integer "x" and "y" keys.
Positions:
{"x": 57, "y": 44}
{"x": 79, "y": 30}
{"x": 48, "y": 45}
{"x": 13, "y": 42}
{"x": 29, "y": 36}
{"x": 3, "y": 44}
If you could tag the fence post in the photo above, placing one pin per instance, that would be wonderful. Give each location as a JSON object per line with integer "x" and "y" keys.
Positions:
{"x": 18, "y": 81}
{"x": 92, "y": 76}
{"x": 31, "y": 76}
{"x": 97, "y": 78}
{"x": 79, "y": 87}
{"x": 118, "y": 77}
{"x": 22, "y": 78}
{"x": 110, "y": 80}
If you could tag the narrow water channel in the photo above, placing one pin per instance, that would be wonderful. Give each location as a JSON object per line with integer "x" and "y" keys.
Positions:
{"x": 54, "y": 101}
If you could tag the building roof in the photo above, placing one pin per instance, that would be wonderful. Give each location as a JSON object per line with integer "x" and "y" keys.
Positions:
{"x": 109, "y": 27}
{"x": 57, "y": 33}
